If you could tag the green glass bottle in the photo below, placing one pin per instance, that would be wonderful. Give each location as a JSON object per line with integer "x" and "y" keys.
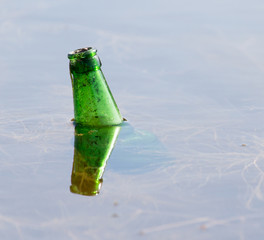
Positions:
{"x": 92, "y": 148}
{"x": 94, "y": 104}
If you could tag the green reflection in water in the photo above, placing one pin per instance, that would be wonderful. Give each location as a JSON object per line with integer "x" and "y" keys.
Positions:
{"x": 92, "y": 148}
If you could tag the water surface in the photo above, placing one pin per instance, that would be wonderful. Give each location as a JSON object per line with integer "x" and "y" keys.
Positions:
{"x": 188, "y": 76}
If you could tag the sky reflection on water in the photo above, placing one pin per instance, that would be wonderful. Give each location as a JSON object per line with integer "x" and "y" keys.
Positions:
{"x": 188, "y": 76}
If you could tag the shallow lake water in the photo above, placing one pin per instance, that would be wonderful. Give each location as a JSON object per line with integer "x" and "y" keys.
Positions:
{"x": 188, "y": 77}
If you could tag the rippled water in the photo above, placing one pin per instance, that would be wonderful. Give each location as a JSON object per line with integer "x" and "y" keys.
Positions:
{"x": 188, "y": 76}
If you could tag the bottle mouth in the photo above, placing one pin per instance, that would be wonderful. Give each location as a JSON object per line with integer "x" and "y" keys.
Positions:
{"x": 82, "y": 53}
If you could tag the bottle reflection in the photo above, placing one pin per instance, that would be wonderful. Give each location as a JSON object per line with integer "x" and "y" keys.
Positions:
{"x": 92, "y": 148}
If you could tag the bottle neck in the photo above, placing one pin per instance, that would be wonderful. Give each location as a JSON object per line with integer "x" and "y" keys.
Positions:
{"x": 84, "y": 60}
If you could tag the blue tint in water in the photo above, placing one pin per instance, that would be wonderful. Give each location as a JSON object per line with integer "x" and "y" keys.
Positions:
{"x": 137, "y": 151}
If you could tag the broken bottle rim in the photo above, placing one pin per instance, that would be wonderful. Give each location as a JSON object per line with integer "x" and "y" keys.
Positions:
{"x": 82, "y": 53}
